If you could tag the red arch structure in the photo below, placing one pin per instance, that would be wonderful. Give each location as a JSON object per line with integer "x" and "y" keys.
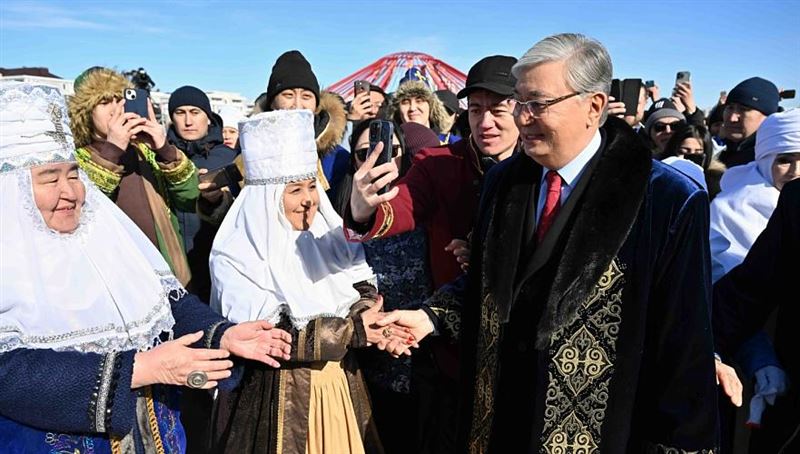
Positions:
{"x": 387, "y": 71}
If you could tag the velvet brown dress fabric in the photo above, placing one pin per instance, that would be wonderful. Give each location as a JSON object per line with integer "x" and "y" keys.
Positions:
{"x": 268, "y": 412}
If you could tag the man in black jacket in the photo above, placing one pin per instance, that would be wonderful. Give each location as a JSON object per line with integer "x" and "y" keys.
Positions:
{"x": 744, "y": 299}
{"x": 584, "y": 318}
{"x": 197, "y": 131}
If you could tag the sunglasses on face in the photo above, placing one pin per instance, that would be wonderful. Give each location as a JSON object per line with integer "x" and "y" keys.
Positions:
{"x": 661, "y": 127}
{"x": 362, "y": 153}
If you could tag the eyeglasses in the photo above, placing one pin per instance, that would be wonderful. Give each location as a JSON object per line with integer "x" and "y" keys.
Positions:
{"x": 361, "y": 153}
{"x": 538, "y": 109}
{"x": 661, "y": 127}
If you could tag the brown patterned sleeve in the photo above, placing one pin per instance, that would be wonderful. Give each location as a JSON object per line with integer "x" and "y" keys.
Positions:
{"x": 329, "y": 338}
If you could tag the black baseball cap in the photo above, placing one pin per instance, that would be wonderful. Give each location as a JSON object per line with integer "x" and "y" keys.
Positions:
{"x": 493, "y": 74}
{"x": 448, "y": 98}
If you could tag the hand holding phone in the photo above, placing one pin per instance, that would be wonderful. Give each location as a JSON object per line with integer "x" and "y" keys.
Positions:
{"x": 222, "y": 176}
{"x": 630, "y": 95}
{"x": 360, "y": 86}
{"x": 683, "y": 91}
{"x": 360, "y": 105}
{"x": 122, "y": 126}
{"x": 373, "y": 175}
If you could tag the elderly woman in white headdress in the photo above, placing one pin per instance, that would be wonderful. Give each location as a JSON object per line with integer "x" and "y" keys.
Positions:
{"x": 92, "y": 322}
{"x": 739, "y": 214}
{"x": 281, "y": 256}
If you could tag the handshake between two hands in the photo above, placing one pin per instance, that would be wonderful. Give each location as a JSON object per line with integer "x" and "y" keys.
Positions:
{"x": 395, "y": 332}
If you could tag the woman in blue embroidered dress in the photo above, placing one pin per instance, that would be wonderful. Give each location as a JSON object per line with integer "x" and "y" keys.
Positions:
{"x": 92, "y": 322}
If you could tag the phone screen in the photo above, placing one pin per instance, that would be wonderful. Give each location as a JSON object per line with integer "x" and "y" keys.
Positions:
{"x": 381, "y": 131}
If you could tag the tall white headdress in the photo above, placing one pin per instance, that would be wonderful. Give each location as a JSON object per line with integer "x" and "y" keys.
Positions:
{"x": 261, "y": 268}
{"x": 103, "y": 287}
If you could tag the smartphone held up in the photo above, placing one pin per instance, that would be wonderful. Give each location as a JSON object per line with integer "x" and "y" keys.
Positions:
{"x": 136, "y": 101}
{"x": 627, "y": 92}
{"x": 360, "y": 86}
{"x": 381, "y": 131}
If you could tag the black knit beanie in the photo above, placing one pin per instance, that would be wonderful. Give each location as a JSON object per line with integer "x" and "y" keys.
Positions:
{"x": 291, "y": 70}
{"x": 190, "y": 96}
{"x": 756, "y": 93}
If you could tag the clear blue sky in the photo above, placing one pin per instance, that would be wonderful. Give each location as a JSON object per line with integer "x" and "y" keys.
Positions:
{"x": 232, "y": 45}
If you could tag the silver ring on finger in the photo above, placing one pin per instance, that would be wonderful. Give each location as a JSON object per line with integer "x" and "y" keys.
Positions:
{"x": 196, "y": 379}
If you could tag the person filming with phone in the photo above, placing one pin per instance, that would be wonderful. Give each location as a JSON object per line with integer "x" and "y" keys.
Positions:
{"x": 127, "y": 156}
{"x": 367, "y": 101}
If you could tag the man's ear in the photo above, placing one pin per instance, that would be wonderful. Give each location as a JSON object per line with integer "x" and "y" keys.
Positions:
{"x": 597, "y": 105}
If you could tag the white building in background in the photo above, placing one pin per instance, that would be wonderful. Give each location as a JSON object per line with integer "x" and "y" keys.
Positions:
{"x": 226, "y": 98}
{"x": 64, "y": 85}
{"x": 160, "y": 99}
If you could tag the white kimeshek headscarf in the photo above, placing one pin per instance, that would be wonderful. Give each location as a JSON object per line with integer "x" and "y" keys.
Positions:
{"x": 103, "y": 287}
{"x": 261, "y": 268}
{"x": 748, "y": 197}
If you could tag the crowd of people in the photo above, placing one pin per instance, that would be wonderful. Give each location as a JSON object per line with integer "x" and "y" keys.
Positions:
{"x": 543, "y": 271}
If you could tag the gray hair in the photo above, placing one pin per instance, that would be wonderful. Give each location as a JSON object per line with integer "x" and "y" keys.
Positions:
{"x": 588, "y": 65}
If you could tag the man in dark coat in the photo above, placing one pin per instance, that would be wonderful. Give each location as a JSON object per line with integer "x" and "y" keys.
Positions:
{"x": 746, "y": 297}
{"x": 197, "y": 131}
{"x": 584, "y": 319}
{"x": 441, "y": 192}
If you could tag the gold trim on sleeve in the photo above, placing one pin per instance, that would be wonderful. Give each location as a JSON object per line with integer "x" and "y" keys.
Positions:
{"x": 388, "y": 220}
{"x": 180, "y": 173}
{"x": 105, "y": 179}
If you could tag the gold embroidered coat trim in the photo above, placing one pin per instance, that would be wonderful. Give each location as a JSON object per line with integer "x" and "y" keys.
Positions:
{"x": 486, "y": 377}
{"x": 580, "y": 368}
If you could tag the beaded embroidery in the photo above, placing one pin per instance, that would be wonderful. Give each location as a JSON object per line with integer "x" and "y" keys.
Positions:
{"x": 280, "y": 180}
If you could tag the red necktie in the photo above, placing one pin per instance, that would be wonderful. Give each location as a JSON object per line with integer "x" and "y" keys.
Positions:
{"x": 551, "y": 204}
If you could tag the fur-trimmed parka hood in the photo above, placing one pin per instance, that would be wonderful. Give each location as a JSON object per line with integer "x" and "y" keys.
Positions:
{"x": 330, "y": 120}
{"x": 98, "y": 85}
{"x": 439, "y": 119}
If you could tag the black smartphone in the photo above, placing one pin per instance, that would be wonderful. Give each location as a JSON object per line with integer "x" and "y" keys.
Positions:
{"x": 630, "y": 95}
{"x": 650, "y": 84}
{"x": 381, "y": 131}
{"x": 360, "y": 86}
{"x": 228, "y": 175}
{"x": 788, "y": 94}
{"x": 616, "y": 90}
{"x": 683, "y": 76}
{"x": 136, "y": 101}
